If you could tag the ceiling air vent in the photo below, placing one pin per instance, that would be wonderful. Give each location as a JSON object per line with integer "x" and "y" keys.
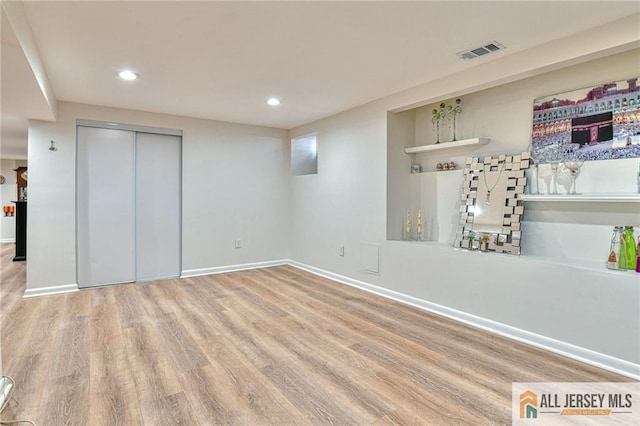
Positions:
{"x": 476, "y": 52}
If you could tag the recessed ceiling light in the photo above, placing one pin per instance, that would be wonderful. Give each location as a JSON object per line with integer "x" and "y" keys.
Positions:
{"x": 273, "y": 101}
{"x": 128, "y": 75}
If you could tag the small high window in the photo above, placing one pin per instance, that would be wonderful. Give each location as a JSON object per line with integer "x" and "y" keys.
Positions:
{"x": 304, "y": 155}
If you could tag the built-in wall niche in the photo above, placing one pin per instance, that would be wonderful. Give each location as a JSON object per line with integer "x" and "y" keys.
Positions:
{"x": 556, "y": 229}
{"x": 416, "y": 183}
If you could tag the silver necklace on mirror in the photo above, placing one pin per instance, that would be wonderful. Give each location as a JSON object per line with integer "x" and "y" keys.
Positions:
{"x": 487, "y": 200}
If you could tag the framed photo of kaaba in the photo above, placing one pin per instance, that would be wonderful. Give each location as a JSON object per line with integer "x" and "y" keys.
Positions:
{"x": 595, "y": 123}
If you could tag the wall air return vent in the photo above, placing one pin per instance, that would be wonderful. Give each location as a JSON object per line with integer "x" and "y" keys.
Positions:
{"x": 476, "y": 52}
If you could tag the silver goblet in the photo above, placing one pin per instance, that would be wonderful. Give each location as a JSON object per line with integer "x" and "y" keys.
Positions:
{"x": 554, "y": 176}
{"x": 574, "y": 167}
{"x": 535, "y": 161}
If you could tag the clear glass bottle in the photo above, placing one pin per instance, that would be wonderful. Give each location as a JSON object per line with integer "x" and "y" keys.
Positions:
{"x": 614, "y": 249}
{"x": 630, "y": 248}
{"x": 622, "y": 252}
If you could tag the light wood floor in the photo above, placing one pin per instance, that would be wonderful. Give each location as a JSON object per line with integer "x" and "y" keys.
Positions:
{"x": 275, "y": 346}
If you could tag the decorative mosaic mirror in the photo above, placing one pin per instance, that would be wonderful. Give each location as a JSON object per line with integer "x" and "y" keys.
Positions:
{"x": 491, "y": 203}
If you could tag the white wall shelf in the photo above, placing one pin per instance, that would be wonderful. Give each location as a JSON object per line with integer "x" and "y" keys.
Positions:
{"x": 427, "y": 172}
{"x": 584, "y": 198}
{"x": 446, "y": 145}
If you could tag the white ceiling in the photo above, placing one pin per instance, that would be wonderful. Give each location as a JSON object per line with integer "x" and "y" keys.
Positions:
{"x": 221, "y": 60}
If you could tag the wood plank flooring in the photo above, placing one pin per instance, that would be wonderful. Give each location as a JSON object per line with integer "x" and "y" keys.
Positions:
{"x": 276, "y": 346}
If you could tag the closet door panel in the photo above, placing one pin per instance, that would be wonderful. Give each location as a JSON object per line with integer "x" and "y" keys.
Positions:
{"x": 105, "y": 206}
{"x": 158, "y": 206}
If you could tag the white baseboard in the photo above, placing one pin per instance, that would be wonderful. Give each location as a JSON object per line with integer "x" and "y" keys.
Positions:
{"x": 47, "y": 291}
{"x": 578, "y": 353}
{"x": 7, "y": 240}
{"x": 68, "y": 288}
{"x": 232, "y": 268}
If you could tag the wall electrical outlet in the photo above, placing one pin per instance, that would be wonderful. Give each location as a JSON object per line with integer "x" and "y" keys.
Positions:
{"x": 341, "y": 250}
{"x": 238, "y": 243}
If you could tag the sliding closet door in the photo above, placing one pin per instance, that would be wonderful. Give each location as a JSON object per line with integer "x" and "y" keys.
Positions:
{"x": 105, "y": 206}
{"x": 157, "y": 206}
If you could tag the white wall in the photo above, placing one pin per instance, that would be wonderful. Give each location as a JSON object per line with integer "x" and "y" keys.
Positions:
{"x": 235, "y": 185}
{"x": 346, "y": 200}
{"x": 8, "y": 193}
{"x": 345, "y": 203}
